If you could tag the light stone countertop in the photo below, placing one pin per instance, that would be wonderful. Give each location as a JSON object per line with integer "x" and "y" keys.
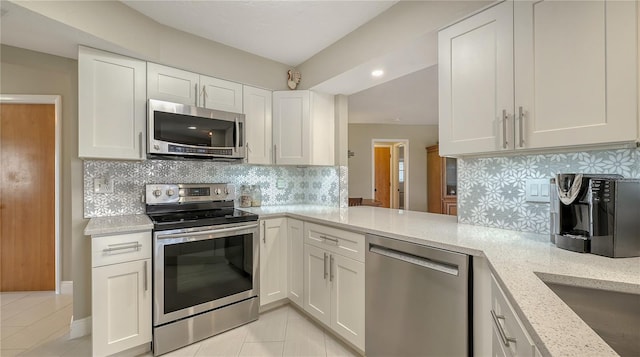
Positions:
{"x": 118, "y": 224}
{"x": 518, "y": 260}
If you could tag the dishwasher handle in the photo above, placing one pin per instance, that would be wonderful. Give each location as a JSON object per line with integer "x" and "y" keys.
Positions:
{"x": 415, "y": 260}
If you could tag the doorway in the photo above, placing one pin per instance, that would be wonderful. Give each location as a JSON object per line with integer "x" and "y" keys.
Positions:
{"x": 29, "y": 192}
{"x": 390, "y": 172}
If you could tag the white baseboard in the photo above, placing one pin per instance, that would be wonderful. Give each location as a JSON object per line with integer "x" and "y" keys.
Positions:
{"x": 66, "y": 287}
{"x": 80, "y": 328}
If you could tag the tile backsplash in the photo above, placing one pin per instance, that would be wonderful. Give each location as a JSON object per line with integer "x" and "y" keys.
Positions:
{"x": 491, "y": 191}
{"x": 320, "y": 185}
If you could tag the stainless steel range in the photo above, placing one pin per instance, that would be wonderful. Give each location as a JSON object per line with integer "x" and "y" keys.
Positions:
{"x": 205, "y": 263}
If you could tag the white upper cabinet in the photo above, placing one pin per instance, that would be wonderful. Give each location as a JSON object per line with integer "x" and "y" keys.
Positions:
{"x": 172, "y": 84}
{"x": 475, "y": 79}
{"x": 303, "y": 128}
{"x": 257, "y": 109}
{"x": 575, "y": 75}
{"x": 111, "y": 106}
{"x": 179, "y": 86}
{"x": 221, "y": 95}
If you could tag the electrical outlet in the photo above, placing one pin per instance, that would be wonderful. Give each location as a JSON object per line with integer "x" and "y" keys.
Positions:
{"x": 102, "y": 185}
{"x": 537, "y": 190}
{"x": 281, "y": 184}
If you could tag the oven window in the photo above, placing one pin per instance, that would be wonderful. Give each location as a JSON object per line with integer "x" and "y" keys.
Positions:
{"x": 203, "y": 271}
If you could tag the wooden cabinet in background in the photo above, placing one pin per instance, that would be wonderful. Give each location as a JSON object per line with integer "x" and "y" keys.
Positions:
{"x": 441, "y": 183}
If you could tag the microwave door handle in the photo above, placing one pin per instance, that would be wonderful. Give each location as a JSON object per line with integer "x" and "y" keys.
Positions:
{"x": 237, "y": 145}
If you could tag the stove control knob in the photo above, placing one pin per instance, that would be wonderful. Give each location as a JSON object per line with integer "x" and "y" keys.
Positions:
{"x": 171, "y": 192}
{"x": 217, "y": 191}
{"x": 157, "y": 193}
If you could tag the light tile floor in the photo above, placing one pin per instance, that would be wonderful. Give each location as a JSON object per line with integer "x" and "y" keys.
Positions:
{"x": 29, "y": 319}
{"x": 37, "y": 324}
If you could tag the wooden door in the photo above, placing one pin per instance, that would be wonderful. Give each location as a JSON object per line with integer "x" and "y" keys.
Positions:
{"x": 27, "y": 197}
{"x": 382, "y": 158}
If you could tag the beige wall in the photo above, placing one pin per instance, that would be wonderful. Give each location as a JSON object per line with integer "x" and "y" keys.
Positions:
{"x": 123, "y": 30}
{"x": 28, "y": 72}
{"x": 419, "y": 136}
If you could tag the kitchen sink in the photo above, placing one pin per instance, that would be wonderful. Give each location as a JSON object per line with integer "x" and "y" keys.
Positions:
{"x": 615, "y": 316}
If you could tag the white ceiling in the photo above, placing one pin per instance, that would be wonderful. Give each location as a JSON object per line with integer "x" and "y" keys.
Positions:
{"x": 408, "y": 100}
{"x": 289, "y": 32}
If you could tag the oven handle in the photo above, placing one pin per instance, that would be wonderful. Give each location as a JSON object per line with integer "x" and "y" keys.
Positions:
{"x": 211, "y": 231}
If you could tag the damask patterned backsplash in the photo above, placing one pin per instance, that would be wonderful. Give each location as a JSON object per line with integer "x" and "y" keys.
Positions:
{"x": 320, "y": 185}
{"x": 491, "y": 191}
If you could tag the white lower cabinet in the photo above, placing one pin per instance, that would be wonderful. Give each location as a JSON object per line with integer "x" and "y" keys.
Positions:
{"x": 295, "y": 250}
{"x": 509, "y": 338}
{"x": 273, "y": 260}
{"x": 334, "y": 286}
{"x": 121, "y": 292}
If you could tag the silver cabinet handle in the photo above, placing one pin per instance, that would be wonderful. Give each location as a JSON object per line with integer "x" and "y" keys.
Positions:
{"x": 331, "y": 267}
{"x": 122, "y": 246}
{"x": 329, "y": 239}
{"x": 414, "y": 259}
{"x": 325, "y": 266}
{"x": 264, "y": 232}
{"x": 140, "y": 143}
{"x": 505, "y": 143}
{"x": 237, "y": 145}
{"x": 204, "y": 96}
{"x": 145, "y": 276}
{"x": 197, "y": 94}
{"x": 275, "y": 154}
{"x": 503, "y": 335}
{"x": 521, "y": 126}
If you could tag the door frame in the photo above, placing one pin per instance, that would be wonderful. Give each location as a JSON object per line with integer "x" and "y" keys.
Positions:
{"x": 56, "y": 100}
{"x": 391, "y": 143}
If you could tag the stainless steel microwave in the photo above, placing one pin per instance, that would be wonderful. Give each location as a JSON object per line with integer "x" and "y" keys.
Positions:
{"x": 175, "y": 129}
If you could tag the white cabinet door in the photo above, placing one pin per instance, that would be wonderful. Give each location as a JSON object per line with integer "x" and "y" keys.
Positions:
{"x": 273, "y": 260}
{"x": 295, "y": 261}
{"x": 291, "y": 127}
{"x": 172, "y": 84}
{"x": 475, "y": 79}
{"x": 220, "y": 94}
{"x": 257, "y": 109}
{"x": 111, "y": 106}
{"x": 121, "y": 306}
{"x": 317, "y": 288}
{"x": 575, "y": 73}
{"x": 322, "y": 129}
{"x": 347, "y": 298}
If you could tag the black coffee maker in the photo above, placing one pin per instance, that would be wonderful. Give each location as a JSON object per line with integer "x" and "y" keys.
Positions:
{"x": 596, "y": 214}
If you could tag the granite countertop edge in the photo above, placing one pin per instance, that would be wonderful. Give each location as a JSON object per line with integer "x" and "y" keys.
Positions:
{"x": 521, "y": 262}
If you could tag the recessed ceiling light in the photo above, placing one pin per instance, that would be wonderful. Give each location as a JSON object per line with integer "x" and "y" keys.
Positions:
{"x": 192, "y": 127}
{"x": 377, "y": 73}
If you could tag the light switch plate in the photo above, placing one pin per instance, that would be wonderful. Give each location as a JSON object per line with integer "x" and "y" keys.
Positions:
{"x": 102, "y": 185}
{"x": 537, "y": 190}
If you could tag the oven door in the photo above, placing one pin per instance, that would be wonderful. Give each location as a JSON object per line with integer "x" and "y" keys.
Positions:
{"x": 200, "y": 269}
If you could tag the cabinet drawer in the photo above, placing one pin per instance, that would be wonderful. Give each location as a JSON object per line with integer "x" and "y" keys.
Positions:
{"x": 346, "y": 243}
{"x": 106, "y": 250}
{"x": 504, "y": 319}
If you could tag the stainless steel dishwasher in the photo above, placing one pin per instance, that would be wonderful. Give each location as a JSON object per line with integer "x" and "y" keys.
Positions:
{"x": 417, "y": 300}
